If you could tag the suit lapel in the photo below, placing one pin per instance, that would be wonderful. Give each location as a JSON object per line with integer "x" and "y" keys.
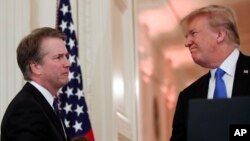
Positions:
{"x": 202, "y": 89}
{"x": 46, "y": 107}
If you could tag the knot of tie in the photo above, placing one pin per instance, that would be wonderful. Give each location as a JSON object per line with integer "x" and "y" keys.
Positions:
{"x": 220, "y": 88}
{"x": 219, "y": 73}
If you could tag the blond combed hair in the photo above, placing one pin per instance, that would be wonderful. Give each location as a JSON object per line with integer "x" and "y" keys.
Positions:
{"x": 218, "y": 16}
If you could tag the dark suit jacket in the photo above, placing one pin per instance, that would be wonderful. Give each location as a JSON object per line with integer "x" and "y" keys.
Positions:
{"x": 199, "y": 89}
{"x": 29, "y": 117}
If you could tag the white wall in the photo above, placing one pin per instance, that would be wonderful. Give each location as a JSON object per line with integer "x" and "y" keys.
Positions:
{"x": 15, "y": 22}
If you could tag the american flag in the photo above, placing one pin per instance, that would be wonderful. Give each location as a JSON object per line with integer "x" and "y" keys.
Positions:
{"x": 74, "y": 111}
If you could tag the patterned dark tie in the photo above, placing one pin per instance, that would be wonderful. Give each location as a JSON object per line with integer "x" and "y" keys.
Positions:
{"x": 56, "y": 109}
{"x": 220, "y": 88}
{"x": 55, "y": 105}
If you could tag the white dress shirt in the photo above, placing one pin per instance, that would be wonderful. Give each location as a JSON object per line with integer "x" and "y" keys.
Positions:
{"x": 229, "y": 66}
{"x": 47, "y": 95}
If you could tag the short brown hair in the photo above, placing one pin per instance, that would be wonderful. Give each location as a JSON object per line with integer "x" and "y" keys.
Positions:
{"x": 29, "y": 50}
{"x": 218, "y": 16}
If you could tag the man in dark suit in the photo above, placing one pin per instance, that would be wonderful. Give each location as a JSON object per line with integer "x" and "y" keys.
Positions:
{"x": 213, "y": 40}
{"x": 43, "y": 59}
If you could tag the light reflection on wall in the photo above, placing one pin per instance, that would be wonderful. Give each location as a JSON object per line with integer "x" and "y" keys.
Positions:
{"x": 118, "y": 90}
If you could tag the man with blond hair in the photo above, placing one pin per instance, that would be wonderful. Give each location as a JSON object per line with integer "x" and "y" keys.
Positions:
{"x": 212, "y": 37}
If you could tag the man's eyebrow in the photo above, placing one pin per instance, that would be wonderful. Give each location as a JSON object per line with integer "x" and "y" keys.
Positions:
{"x": 189, "y": 32}
{"x": 62, "y": 54}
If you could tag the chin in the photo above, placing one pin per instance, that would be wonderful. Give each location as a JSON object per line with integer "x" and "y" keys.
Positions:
{"x": 195, "y": 59}
{"x": 202, "y": 64}
{"x": 65, "y": 83}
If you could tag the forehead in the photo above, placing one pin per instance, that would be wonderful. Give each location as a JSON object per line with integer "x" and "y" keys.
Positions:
{"x": 53, "y": 45}
{"x": 196, "y": 23}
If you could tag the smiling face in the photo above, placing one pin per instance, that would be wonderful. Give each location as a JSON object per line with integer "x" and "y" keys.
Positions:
{"x": 52, "y": 72}
{"x": 201, "y": 40}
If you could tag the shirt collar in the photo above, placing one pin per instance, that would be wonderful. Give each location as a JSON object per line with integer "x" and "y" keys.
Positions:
{"x": 47, "y": 95}
{"x": 229, "y": 63}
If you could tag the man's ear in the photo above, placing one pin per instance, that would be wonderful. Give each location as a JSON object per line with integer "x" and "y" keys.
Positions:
{"x": 35, "y": 68}
{"x": 221, "y": 36}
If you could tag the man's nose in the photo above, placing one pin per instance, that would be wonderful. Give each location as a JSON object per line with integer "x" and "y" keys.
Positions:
{"x": 67, "y": 63}
{"x": 188, "y": 42}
